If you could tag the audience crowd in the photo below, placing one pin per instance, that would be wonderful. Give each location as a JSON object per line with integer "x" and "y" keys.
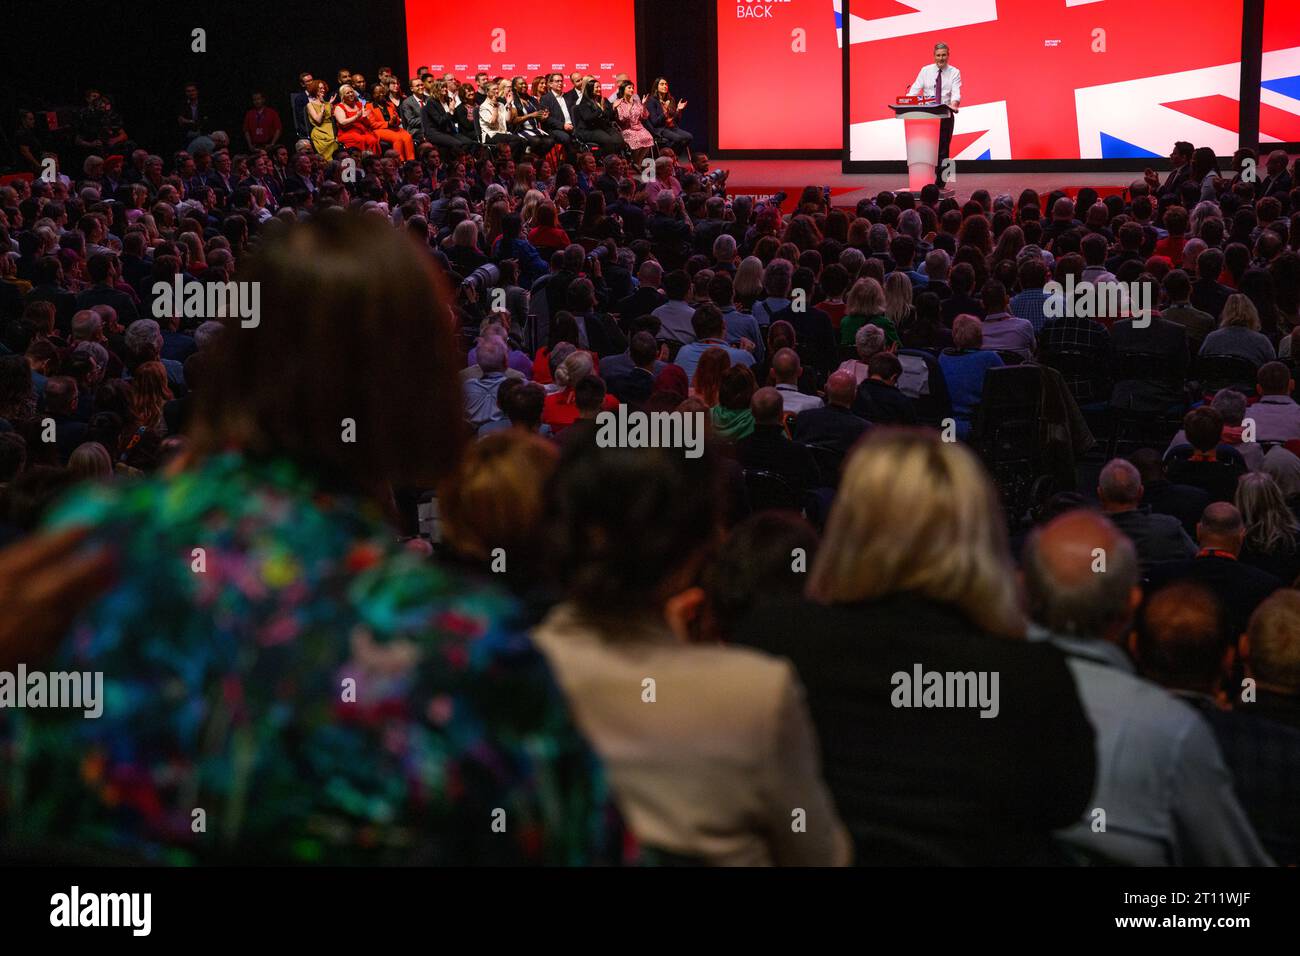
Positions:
{"x": 364, "y": 585}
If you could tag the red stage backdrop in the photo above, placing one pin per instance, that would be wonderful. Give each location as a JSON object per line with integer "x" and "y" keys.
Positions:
{"x": 778, "y": 89}
{"x": 1053, "y": 79}
{"x": 517, "y": 38}
{"x": 1279, "y": 94}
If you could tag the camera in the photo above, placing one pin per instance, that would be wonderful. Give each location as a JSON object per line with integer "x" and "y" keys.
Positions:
{"x": 483, "y": 278}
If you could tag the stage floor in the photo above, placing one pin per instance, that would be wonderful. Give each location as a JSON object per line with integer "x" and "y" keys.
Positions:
{"x": 763, "y": 177}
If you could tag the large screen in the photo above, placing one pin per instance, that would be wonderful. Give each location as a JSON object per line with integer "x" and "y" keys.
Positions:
{"x": 1052, "y": 79}
{"x": 519, "y": 38}
{"x": 779, "y": 75}
{"x": 1279, "y": 95}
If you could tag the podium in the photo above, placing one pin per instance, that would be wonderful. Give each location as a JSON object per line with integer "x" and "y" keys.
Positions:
{"x": 921, "y": 130}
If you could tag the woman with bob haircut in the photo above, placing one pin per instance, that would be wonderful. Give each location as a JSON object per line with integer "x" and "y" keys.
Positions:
{"x": 914, "y": 579}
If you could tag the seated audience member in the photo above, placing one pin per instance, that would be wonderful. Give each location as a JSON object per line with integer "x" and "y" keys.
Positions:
{"x": 778, "y": 276}
{"x": 522, "y": 402}
{"x": 1182, "y": 642}
{"x": 269, "y": 485}
{"x": 1272, "y": 532}
{"x": 868, "y": 340}
{"x": 1164, "y": 497}
{"x": 1206, "y": 461}
{"x": 1003, "y": 331}
{"x": 786, "y": 372}
{"x": 710, "y": 332}
{"x": 1156, "y": 537}
{"x": 878, "y": 399}
{"x": 1238, "y": 333}
{"x": 1179, "y": 309}
{"x": 709, "y": 370}
{"x": 676, "y": 314}
{"x": 1161, "y": 779}
{"x": 764, "y": 559}
{"x": 768, "y": 448}
{"x": 835, "y": 426}
{"x": 963, "y": 368}
{"x": 1232, "y": 408}
{"x": 1271, "y": 652}
{"x": 627, "y": 622}
{"x": 493, "y": 506}
{"x": 913, "y": 573}
{"x": 481, "y": 406}
{"x": 1276, "y": 415}
{"x": 731, "y": 418}
{"x": 589, "y": 397}
{"x": 499, "y": 325}
{"x": 635, "y": 383}
{"x": 865, "y": 305}
{"x": 561, "y": 407}
{"x": 1239, "y": 587}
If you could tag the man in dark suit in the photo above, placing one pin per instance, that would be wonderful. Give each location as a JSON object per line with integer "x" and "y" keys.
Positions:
{"x": 300, "y": 180}
{"x": 878, "y": 400}
{"x": 1208, "y": 294}
{"x": 1239, "y": 587}
{"x": 61, "y": 406}
{"x": 411, "y": 108}
{"x": 598, "y": 331}
{"x": 1181, "y": 159}
{"x": 633, "y": 385}
{"x": 768, "y": 448}
{"x": 298, "y": 106}
{"x": 632, "y": 213}
{"x": 1156, "y": 537}
{"x": 1162, "y": 496}
{"x": 646, "y": 298}
{"x": 833, "y": 426}
{"x": 1278, "y": 181}
{"x": 561, "y": 122}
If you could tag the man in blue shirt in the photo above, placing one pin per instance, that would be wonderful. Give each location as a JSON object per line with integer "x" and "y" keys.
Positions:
{"x": 709, "y": 334}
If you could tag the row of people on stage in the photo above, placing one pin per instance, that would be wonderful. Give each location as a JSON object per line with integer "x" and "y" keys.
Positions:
{"x": 523, "y": 114}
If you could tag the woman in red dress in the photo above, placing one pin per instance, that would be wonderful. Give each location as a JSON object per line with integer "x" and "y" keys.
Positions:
{"x": 350, "y": 120}
{"x": 386, "y": 123}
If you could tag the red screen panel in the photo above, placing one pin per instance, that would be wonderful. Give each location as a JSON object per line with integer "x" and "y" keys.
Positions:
{"x": 778, "y": 89}
{"x": 518, "y": 38}
{"x": 1279, "y": 94}
{"x": 1051, "y": 79}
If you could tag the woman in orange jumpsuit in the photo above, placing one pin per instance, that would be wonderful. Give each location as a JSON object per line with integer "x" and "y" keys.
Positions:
{"x": 387, "y": 124}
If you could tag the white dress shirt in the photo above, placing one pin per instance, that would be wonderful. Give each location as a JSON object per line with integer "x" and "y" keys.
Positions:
{"x": 493, "y": 119}
{"x": 564, "y": 108}
{"x": 924, "y": 84}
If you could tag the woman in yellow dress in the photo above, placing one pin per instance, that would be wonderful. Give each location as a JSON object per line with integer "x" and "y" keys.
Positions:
{"x": 322, "y": 123}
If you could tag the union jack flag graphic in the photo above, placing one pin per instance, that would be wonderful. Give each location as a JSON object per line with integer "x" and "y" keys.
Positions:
{"x": 1065, "y": 79}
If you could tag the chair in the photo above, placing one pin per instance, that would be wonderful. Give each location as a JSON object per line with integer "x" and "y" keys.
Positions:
{"x": 1086, "y": 378}
{"x": 828, "y": 461}
{"x": 769, "y": 491}
{"x": 1008, "y": 433}
{"x": 1225, "y": 371}
{"x": 1147, "y": 402}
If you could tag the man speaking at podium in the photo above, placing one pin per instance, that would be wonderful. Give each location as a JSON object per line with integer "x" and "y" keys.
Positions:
{"x": 942, "y": 83}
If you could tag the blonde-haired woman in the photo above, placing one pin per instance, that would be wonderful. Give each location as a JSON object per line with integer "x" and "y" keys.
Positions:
{"x": 898, "y": 302}
{"x": 910, "y": 637}
{"x": 748, "y": 284}
{"x": 1238, "y": 333}
{"x": 1272, "y": 533}
{"x": 865, "y": 305}
{"x": 560, "y": 410}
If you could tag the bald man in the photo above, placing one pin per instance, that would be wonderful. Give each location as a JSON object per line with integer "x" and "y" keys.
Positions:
{"x": 834, "y": 426}
{"x": 1239, "y": 587}
{"x": 1157, "y": 537}
{"x": 1164, "y": 795}
{"x": 768, "y": 448}
{"x": 786, "y": 369}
